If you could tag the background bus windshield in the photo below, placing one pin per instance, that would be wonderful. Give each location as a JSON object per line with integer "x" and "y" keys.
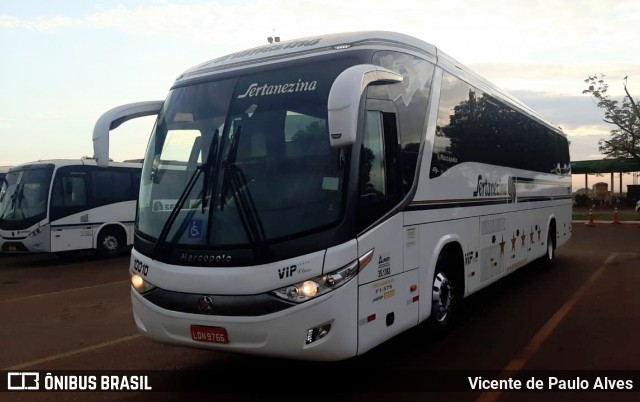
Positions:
{"x": 23, "y": 198}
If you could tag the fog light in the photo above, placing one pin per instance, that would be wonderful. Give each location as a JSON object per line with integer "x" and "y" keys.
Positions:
{"x": 317, "y": 333}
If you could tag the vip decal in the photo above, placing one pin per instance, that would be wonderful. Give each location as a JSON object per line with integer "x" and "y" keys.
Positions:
{"x": 470, "y": 256}
{"x": 299, "y": 268}
{"x": 287, "y": 272}
{"x": 256, "y": 89}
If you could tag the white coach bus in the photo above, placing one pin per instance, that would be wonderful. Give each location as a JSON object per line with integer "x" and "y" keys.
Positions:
{"x": 311, "y": 199}
{"x": 68, "y": 205}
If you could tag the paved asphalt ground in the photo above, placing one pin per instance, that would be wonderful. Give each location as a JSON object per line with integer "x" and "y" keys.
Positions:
{"x": 581, "y": 318}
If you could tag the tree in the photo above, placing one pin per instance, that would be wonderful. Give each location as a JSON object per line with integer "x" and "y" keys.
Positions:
{"x": 625, "y": 139}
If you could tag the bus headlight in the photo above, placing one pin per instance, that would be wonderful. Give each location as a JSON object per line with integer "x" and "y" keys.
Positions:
{"x": 140, "y": 284}
{"x": 319, "y": 285}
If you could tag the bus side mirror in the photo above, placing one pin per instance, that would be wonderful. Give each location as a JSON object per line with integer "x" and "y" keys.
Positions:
{"x": 344, "y": 99}
{"x": 112, "y": 119}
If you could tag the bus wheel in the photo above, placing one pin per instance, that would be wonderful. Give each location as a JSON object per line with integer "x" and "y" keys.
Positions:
{"x": 442, "y": 298}
{"x": 110, "y": 243}
{"x": 550, "y": 255}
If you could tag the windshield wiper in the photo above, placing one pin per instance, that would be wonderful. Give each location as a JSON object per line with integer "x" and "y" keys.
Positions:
{"x": 206, "y": 167}
{"x": 17, "y": 199}
{"x": 208, "y": 174}
{"x": 162, "y": 237}
{"x": 234, "y": 179}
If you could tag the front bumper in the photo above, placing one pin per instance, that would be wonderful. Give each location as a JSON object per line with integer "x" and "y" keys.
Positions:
{"x": 279, "y": 334}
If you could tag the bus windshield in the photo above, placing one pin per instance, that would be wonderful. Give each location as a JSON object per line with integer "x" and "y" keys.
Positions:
{"x": 24, "y": 197}
{"x": 243, "y": 161}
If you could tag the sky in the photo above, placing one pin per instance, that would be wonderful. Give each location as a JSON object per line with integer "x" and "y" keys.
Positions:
{"x": 66, "y": 62}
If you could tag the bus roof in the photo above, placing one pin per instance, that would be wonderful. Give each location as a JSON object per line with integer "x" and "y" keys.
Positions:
{"x": 74, "y": 162}
{"x": 337, "y": 42}
{"x": 305, "y": 46}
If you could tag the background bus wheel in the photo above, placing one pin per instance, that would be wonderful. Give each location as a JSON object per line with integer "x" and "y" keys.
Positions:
{"x": 443, "y": 298}
{"x": 110, "y": 242}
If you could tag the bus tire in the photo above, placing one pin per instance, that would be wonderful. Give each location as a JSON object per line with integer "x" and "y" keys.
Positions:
{"x": 550, "y": 254}
{"x": 443, "y": 297}
{"x": 110, "y": 243}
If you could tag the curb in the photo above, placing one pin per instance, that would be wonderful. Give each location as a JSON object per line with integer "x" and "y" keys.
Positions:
{"x": 609, "y": 222}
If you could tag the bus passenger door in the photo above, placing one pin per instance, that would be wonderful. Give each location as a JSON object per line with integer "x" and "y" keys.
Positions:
{"x": 386, "y": 304}
{"x": 69, "y": 219}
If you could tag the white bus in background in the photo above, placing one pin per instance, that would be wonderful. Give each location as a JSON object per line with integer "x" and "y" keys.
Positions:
{"x": 311, "y": 199}
{"x": 63, "y": 206}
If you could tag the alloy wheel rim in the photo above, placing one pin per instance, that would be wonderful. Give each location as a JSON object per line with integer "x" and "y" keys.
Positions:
{"x": 442, "y": 296}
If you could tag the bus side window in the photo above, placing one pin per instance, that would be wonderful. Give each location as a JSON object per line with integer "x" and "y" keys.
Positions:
{"x": 75, "y": 192}
{"x": 372, "y": 159}
{"x": 69, "y": 194}
{"x": 379, "y": 180}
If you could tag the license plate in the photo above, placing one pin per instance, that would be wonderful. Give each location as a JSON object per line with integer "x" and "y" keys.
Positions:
{"x": 209, "y": 334}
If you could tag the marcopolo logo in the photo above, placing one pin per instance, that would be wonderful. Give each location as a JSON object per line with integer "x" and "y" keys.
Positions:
{"x": 205, "y": 258}
{"x": 256, "y": 89}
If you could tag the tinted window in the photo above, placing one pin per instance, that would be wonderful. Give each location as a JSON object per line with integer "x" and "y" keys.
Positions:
{"x": 78, "y": 188}
{"x": 111, "y": 185}
{"x": 475, "y": 127}
{"x": 411, "y": 98}
{"x": 379, "y": 177}
{"x": 372, "y": 179}
{"x": 70, "y": 191}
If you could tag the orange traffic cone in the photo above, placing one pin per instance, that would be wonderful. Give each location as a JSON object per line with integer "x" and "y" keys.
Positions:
{"x": 615, "y": 216}
{"x": 591, "y": 222}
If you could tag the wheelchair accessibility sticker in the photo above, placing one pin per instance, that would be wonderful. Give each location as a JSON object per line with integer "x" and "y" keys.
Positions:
{"x": 195, "y": 229}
